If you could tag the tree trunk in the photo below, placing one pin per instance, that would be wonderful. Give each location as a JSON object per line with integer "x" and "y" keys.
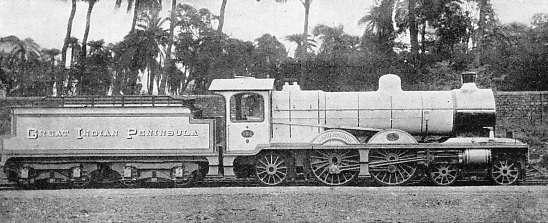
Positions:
{"x": 59, "y": 81}
{"x": 150, "y": 79}
{"x": 135, "y": 14}
{"x": 67, "y": 36}
{"x": 413, "y": 31}
{"x": 86, "y": 32}
{"x": 222, "y": 17}
{"x": 83, "y": 54}
{"x": 306, "y": 5}
{"x": 480, "y": 34}
{"x": 423, "y": 38}
{"x": 167, "y": 62}
{"x": 304, "y": 53}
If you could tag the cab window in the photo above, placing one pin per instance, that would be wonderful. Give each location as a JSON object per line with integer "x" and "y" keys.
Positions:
{"x": 247, "y": 107}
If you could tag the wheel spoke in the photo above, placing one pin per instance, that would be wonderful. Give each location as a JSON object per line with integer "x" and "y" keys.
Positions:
{"x": 323, "y": 171}
{"x": 321, "y": 166}
{"x": 351, "y": 167}
{"x": 271, "y": 169}
{"x": 264, "y": 164}
{"x": 334, "y": 167}
{"x": 319, "y": 157}
{"x": 315, "y": 163}
{"x": 350, "y": 157}
{"x": 403, "y": 153}
{"x": 276, "y": 161}
{"x": 402, "y": 177}
{"x": 393, "y": 166}
{"x": 443, "y": 174}
{"x": 378, "y": 157}
{"x": 505, "y": 172}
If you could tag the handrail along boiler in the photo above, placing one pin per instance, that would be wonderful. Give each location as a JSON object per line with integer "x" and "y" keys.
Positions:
{"x": 389, "y": 135}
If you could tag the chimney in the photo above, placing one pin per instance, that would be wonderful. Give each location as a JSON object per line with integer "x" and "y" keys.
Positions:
{"x": 469, "y": 77}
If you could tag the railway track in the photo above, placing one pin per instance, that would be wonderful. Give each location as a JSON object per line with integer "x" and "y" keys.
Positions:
{"x": 255, "y": 183}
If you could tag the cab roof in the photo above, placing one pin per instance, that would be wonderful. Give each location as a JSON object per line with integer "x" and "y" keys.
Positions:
{"x": 242, "y": 84}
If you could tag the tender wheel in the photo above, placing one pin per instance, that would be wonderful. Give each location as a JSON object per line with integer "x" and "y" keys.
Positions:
{"x": 393, "y": 167}
{"x": 505, "y": 172}
{"x": 443, "y": 174}
{"x": 271, "y": 169}
{"x": 335, "y": 167}
{"x": 104, "y": 175}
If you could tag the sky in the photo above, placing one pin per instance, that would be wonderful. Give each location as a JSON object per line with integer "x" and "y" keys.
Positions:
{"x": 45, "y": 21}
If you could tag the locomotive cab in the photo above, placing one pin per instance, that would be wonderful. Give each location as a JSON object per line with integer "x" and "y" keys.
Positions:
{"x": 247, "y": 112}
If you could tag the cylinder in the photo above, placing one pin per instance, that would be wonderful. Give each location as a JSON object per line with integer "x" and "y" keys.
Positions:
{"x": 475, "y": 156}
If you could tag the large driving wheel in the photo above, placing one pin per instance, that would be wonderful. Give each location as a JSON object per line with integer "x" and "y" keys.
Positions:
{"x": 505, "y": 171}
{"x": 393, "y": 167}
{"x": 271, "y": 169}
{"x": 444, "y": 174}
{"x": 335, "y": 167}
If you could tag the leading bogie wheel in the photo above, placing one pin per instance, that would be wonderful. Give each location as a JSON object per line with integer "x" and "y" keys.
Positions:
{"x": 444, "y": 174}
{"x": 505, "y": 171}
{"x": 393, "y": 167}
{"x": 335, "y": 167}
{"x": 271, "y": 168}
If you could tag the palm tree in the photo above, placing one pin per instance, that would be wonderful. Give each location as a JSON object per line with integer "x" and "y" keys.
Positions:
{"x": 379, "y": 22}
{"x": 91, "y": 3}
{"x": 64, "y": 83}
{"x": 138, "y": 7}
{"x": 50, "y": 55}
{"x": 334, "y": 40}
{"x": 304, "y": 41}
{"x": 97, "y": 79}
{"x": 83, "y": 53}
{"x": 152, "y": 38}
{"x": 169, "y": 66}
{"x": 25, "y": 49}
{"x": 16, "y": 53}
{"x": 222, "y": 16}
{"x": 198, "y": 47}
{"x": 306, "y": 5}
{"x": 298, "y": 39}
{"x": 17, "y": 58}
{"x": 76, "y": 49}
{"x": 68, "y": 35}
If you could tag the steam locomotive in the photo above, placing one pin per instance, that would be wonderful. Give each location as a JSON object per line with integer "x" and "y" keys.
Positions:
{"x": 334, "y": 138}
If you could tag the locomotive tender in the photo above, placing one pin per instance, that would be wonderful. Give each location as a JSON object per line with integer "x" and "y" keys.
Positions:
{"x": 389, "y": 135}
